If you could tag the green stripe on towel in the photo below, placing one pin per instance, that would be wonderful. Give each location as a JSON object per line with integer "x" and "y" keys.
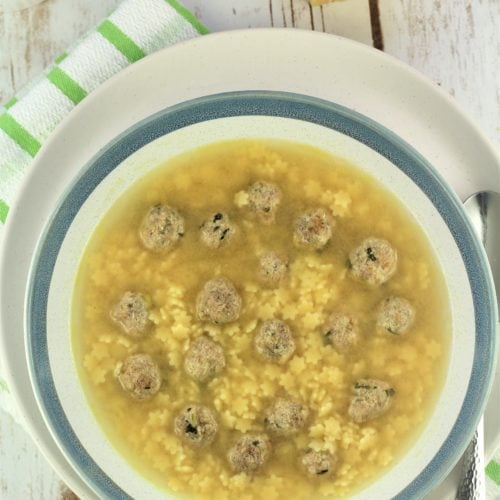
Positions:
{"x": 121, "y": 41}
{"x": 19, "y": 134}
{"x": 4, "y": 210}
{"x": 493, "y": 471}
{"x": 61, "y": 57}
{"x": 10, "y": 103}
{"x": 189, "y": 17}
{"x": 66, "y": 85}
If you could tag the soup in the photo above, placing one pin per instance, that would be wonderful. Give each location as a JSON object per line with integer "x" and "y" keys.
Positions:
{"x": 259, "y": 319}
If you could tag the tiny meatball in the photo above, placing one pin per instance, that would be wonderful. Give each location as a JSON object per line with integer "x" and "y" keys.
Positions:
{"x": 204, "y": 359}
{"x": 318, "y": 463}
{"x": 374, "y": 261}
{"x": 249, "y": 453}
{"x": 264, "y": 199}
{"x": 395, "y": 315}
{"x": 274, "y": 341}
{"x": 131, "y": 314}
{"x": 285, "y": 417}
{"x": 272, "y": 268}
{"x": 161, "y": 228}
{"x": 313, "y": 229}
{"x": 217, "y": 231}
{"x": 196, "y": 425}
{"x": 218, "y": 302}
{"x": 139, "y": 375}
{"x": 371, "y": 399}
{"x": 341, "y": 331}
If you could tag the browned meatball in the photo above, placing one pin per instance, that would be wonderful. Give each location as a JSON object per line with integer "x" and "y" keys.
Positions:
{"x": 161, "y": 228}
{"x": 272, "y": 268}
{"x": 131, "y": 314}
{"x": 341, "y": 331}
{"x": 217, "y": 231}
{"x": 204, "y": 359}
{"x": 274, "y": 341}
{"x": 218, "y": 302}
{"x": 374, "y": 261}
{"x": 371, "y": 399}
{"x": 318, "y": 463}
{"x": 264, "y": 199}
{"x": 249, "y": 453}
{"x": 285, "y": 417}
{"x": 313, "y": 229}
{"x": 196, "y": 425}
{"x": 395, "y": 315}
{"x": 139, "y": 376}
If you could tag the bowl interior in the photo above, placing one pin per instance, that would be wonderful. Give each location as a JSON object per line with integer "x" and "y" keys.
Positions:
{"x": 259, "y": 115}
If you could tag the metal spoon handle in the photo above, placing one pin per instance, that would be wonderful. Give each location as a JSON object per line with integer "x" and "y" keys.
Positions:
{"x": 472, "y": 486}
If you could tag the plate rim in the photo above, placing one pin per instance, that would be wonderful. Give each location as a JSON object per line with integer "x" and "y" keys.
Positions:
{"x": 39, "y": 367}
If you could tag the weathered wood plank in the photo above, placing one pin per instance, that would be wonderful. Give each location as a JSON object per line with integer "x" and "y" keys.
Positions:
{"x": 220, "y": 15}
{"x": 349, "y": 18}
{"x": 24, "y": 473}
{"x": 456, "y": 44}
{"x": 301, "y": 12}
{"x": 277, "y": 17}
{"x": 287, "y": 13}
{"x": 31, "y": 38}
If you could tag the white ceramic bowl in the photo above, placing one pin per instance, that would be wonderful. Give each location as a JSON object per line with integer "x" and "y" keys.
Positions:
{"x": 269, "y": 115}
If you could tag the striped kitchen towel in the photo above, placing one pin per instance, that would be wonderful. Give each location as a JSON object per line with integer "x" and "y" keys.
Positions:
{"x": 137, "y": 28}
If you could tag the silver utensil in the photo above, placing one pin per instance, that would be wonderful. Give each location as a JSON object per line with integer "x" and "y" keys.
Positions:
{"x": 483, "y": 210}
{"x": 472, "y": 483}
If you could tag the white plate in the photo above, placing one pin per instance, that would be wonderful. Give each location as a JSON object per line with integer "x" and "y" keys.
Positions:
{"x": 357, "y": 77}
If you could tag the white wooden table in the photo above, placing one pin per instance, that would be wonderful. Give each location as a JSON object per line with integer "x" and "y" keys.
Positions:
{"x": 456, "y": 43}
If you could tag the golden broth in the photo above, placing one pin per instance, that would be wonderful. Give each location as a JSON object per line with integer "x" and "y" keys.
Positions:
{"x": 211, "y": 179}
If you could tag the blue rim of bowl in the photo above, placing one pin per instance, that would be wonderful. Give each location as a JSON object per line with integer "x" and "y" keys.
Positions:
{"x": 275, "y": 104}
